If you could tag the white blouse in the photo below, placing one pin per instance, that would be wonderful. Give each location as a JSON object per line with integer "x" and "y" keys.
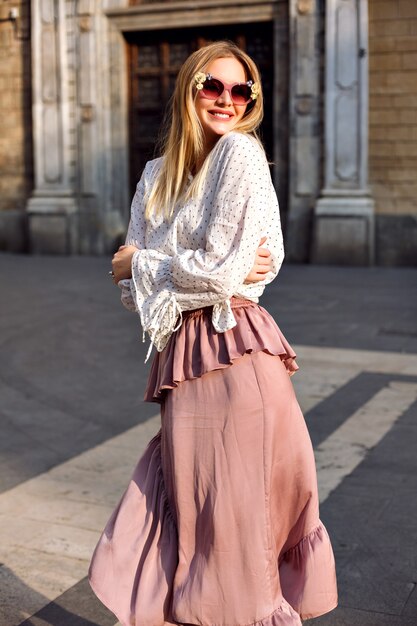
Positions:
{"x": 203, "y": 253}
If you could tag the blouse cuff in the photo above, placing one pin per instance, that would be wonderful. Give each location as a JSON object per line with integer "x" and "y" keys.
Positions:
{"x": 126, "y": 296}
{"x": 152, "y": 270}
{"x": 158, "y": 309}
{"x": 222, "y": 317}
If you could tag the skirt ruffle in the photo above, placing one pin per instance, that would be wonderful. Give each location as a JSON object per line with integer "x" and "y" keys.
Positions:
{"x": 133, "y": 566}
{"x": 136, "y": 557}
{"x": 304, "y": 574}
{"x": 196, "y": 348}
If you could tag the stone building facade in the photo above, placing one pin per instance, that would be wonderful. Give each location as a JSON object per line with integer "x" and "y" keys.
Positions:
{"x": 393, "y": 128}
{"x": 84, "y": 84}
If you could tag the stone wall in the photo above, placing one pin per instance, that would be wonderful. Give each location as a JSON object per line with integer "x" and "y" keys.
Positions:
{"x": 16, "y": 163}
{"x": 392, "y": 136}
{"x": 393, "y": 128}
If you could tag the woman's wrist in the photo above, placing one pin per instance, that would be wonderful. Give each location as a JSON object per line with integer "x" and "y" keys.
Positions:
{"x": 122, "y": 262}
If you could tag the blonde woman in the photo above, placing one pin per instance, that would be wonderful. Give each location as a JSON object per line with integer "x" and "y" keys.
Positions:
{"x": 219, "y": 525}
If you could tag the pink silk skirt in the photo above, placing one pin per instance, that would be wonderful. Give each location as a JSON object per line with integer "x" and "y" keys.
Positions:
{"x": 219, "y": 525}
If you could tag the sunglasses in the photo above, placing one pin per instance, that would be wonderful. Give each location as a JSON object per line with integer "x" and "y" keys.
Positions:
{"x": 212, "y": 88}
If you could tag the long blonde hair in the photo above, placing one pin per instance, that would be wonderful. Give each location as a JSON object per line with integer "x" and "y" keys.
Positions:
{"x": 183, "y": 145}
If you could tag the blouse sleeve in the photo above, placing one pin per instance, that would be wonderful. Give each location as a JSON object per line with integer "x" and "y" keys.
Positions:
{"x": 135, "y": 236}
{"x": 165, "y": 285}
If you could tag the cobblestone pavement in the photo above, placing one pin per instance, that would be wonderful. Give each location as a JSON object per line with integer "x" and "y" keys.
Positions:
{"x": 73, "y": 426}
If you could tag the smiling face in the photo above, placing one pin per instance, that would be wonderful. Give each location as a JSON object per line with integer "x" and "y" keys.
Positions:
{"x": 220, "y": 116}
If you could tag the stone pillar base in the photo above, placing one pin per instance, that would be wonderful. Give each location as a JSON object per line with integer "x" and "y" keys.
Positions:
{"x": 53, "y": 225}
{"x": 344, "y": 231}
{"x": 13, "y": 230}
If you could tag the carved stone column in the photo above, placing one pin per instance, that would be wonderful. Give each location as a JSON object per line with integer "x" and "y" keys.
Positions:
{"x": 102, "y": 128}
{"x": 344, "y": 213}
{"x": 304, "y": 137}
{"x": 80, "y": 202}
{"x": 52, "y": 207}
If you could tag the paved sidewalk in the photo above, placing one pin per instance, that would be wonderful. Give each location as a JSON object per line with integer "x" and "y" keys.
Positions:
{"x": 73, "y": 425}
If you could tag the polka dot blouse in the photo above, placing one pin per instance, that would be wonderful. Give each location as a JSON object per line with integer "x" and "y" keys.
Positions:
{"x": 202, "y": 255}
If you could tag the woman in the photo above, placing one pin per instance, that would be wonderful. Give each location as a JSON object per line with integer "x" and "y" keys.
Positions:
{"x": 219, "y": 525}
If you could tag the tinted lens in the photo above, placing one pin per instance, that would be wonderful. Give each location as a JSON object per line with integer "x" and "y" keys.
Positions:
{"x": 212, "y": 88}
{"x": 241, "y": 94}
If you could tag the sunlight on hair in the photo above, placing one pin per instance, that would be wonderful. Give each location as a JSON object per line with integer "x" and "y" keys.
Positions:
{"x": 183, "y": 144}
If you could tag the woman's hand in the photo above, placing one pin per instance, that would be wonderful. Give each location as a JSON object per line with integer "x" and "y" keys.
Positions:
{"x": 122, "y": 262}
{"x": 262, "y": 264}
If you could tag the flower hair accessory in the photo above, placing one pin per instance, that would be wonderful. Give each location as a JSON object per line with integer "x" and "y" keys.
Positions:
{"x": 199, "y": 79}
{"x": 255, "y": 89}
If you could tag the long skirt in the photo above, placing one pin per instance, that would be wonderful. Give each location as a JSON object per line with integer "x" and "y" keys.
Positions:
{"x": 219, "y": 525}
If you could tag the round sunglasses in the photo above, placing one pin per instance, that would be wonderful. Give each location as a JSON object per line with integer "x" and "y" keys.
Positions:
{"x": 212, "y": 88}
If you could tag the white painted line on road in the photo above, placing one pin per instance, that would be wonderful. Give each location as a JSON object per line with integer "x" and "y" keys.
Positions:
{"x": 339, "y": 454}
{"x": 359, "y": 360}
{"x": 50, "y": 524}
